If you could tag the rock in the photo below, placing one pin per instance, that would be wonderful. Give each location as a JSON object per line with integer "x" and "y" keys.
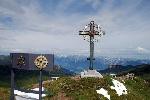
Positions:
{"x": 91, "y": 73}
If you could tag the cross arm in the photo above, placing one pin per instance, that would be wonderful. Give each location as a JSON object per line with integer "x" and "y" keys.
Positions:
{"x": 85, "y": 33}
{"x": 88, "y": 33}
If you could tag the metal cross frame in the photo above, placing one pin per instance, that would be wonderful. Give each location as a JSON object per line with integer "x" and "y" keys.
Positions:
{"x": 91, "y": 33}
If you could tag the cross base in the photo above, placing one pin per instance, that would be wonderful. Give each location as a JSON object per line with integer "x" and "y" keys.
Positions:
{"x": 91, "y": 73}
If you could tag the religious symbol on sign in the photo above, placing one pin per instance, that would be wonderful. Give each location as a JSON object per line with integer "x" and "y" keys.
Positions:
{"x": 21, "y": 61}
{"x": 41, "y": 62}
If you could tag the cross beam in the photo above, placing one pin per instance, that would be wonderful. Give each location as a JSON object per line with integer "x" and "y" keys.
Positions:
{"x": 88, "y": 33}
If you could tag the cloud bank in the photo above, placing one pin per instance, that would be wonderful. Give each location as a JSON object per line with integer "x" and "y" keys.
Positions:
{"x": 52, "y": 26}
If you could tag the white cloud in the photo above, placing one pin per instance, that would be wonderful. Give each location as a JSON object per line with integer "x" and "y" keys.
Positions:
{"x": 34, "y": 28}
{"x": 142, "y": 50}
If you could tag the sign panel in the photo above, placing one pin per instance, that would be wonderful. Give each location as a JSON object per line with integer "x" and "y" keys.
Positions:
{"x": 28, "y": 61}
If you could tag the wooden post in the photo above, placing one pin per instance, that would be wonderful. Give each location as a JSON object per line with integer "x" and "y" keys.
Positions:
{"x": 12, "y": 84}
{"x": 40, "y": 85}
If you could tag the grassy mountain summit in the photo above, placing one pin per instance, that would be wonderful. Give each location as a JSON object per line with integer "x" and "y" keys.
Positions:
{"x": 71, "y": 88}
{"x": 85, "y": 89}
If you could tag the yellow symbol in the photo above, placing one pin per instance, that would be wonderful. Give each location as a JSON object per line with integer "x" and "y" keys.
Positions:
{"x": 41, "y": 62}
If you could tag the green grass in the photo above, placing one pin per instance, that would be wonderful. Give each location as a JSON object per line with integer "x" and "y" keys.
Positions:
{"x": 85, "y": 89}
{"x": 139, "y": 88}
{"x": 4, "y": 93}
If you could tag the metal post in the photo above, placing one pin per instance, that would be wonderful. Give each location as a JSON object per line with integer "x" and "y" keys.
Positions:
{"x": 12, "y": 84}
{"x": 40, "y": 85}
{"x": 91, "y": 53}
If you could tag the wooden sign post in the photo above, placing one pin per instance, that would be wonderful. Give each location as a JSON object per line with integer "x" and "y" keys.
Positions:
{"x": 12, "y": 84}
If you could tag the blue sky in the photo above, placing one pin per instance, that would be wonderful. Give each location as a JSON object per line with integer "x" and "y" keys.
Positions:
{"x": 51, "y": 26}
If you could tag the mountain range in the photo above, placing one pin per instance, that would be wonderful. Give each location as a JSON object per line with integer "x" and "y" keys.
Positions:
{"x": 77, "y": 63}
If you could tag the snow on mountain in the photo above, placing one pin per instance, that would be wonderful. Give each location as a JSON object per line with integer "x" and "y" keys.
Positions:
{"x": 79, "y": 63}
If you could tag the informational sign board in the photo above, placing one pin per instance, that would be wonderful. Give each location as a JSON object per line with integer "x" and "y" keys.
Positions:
{"x": 28, "y": 61}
